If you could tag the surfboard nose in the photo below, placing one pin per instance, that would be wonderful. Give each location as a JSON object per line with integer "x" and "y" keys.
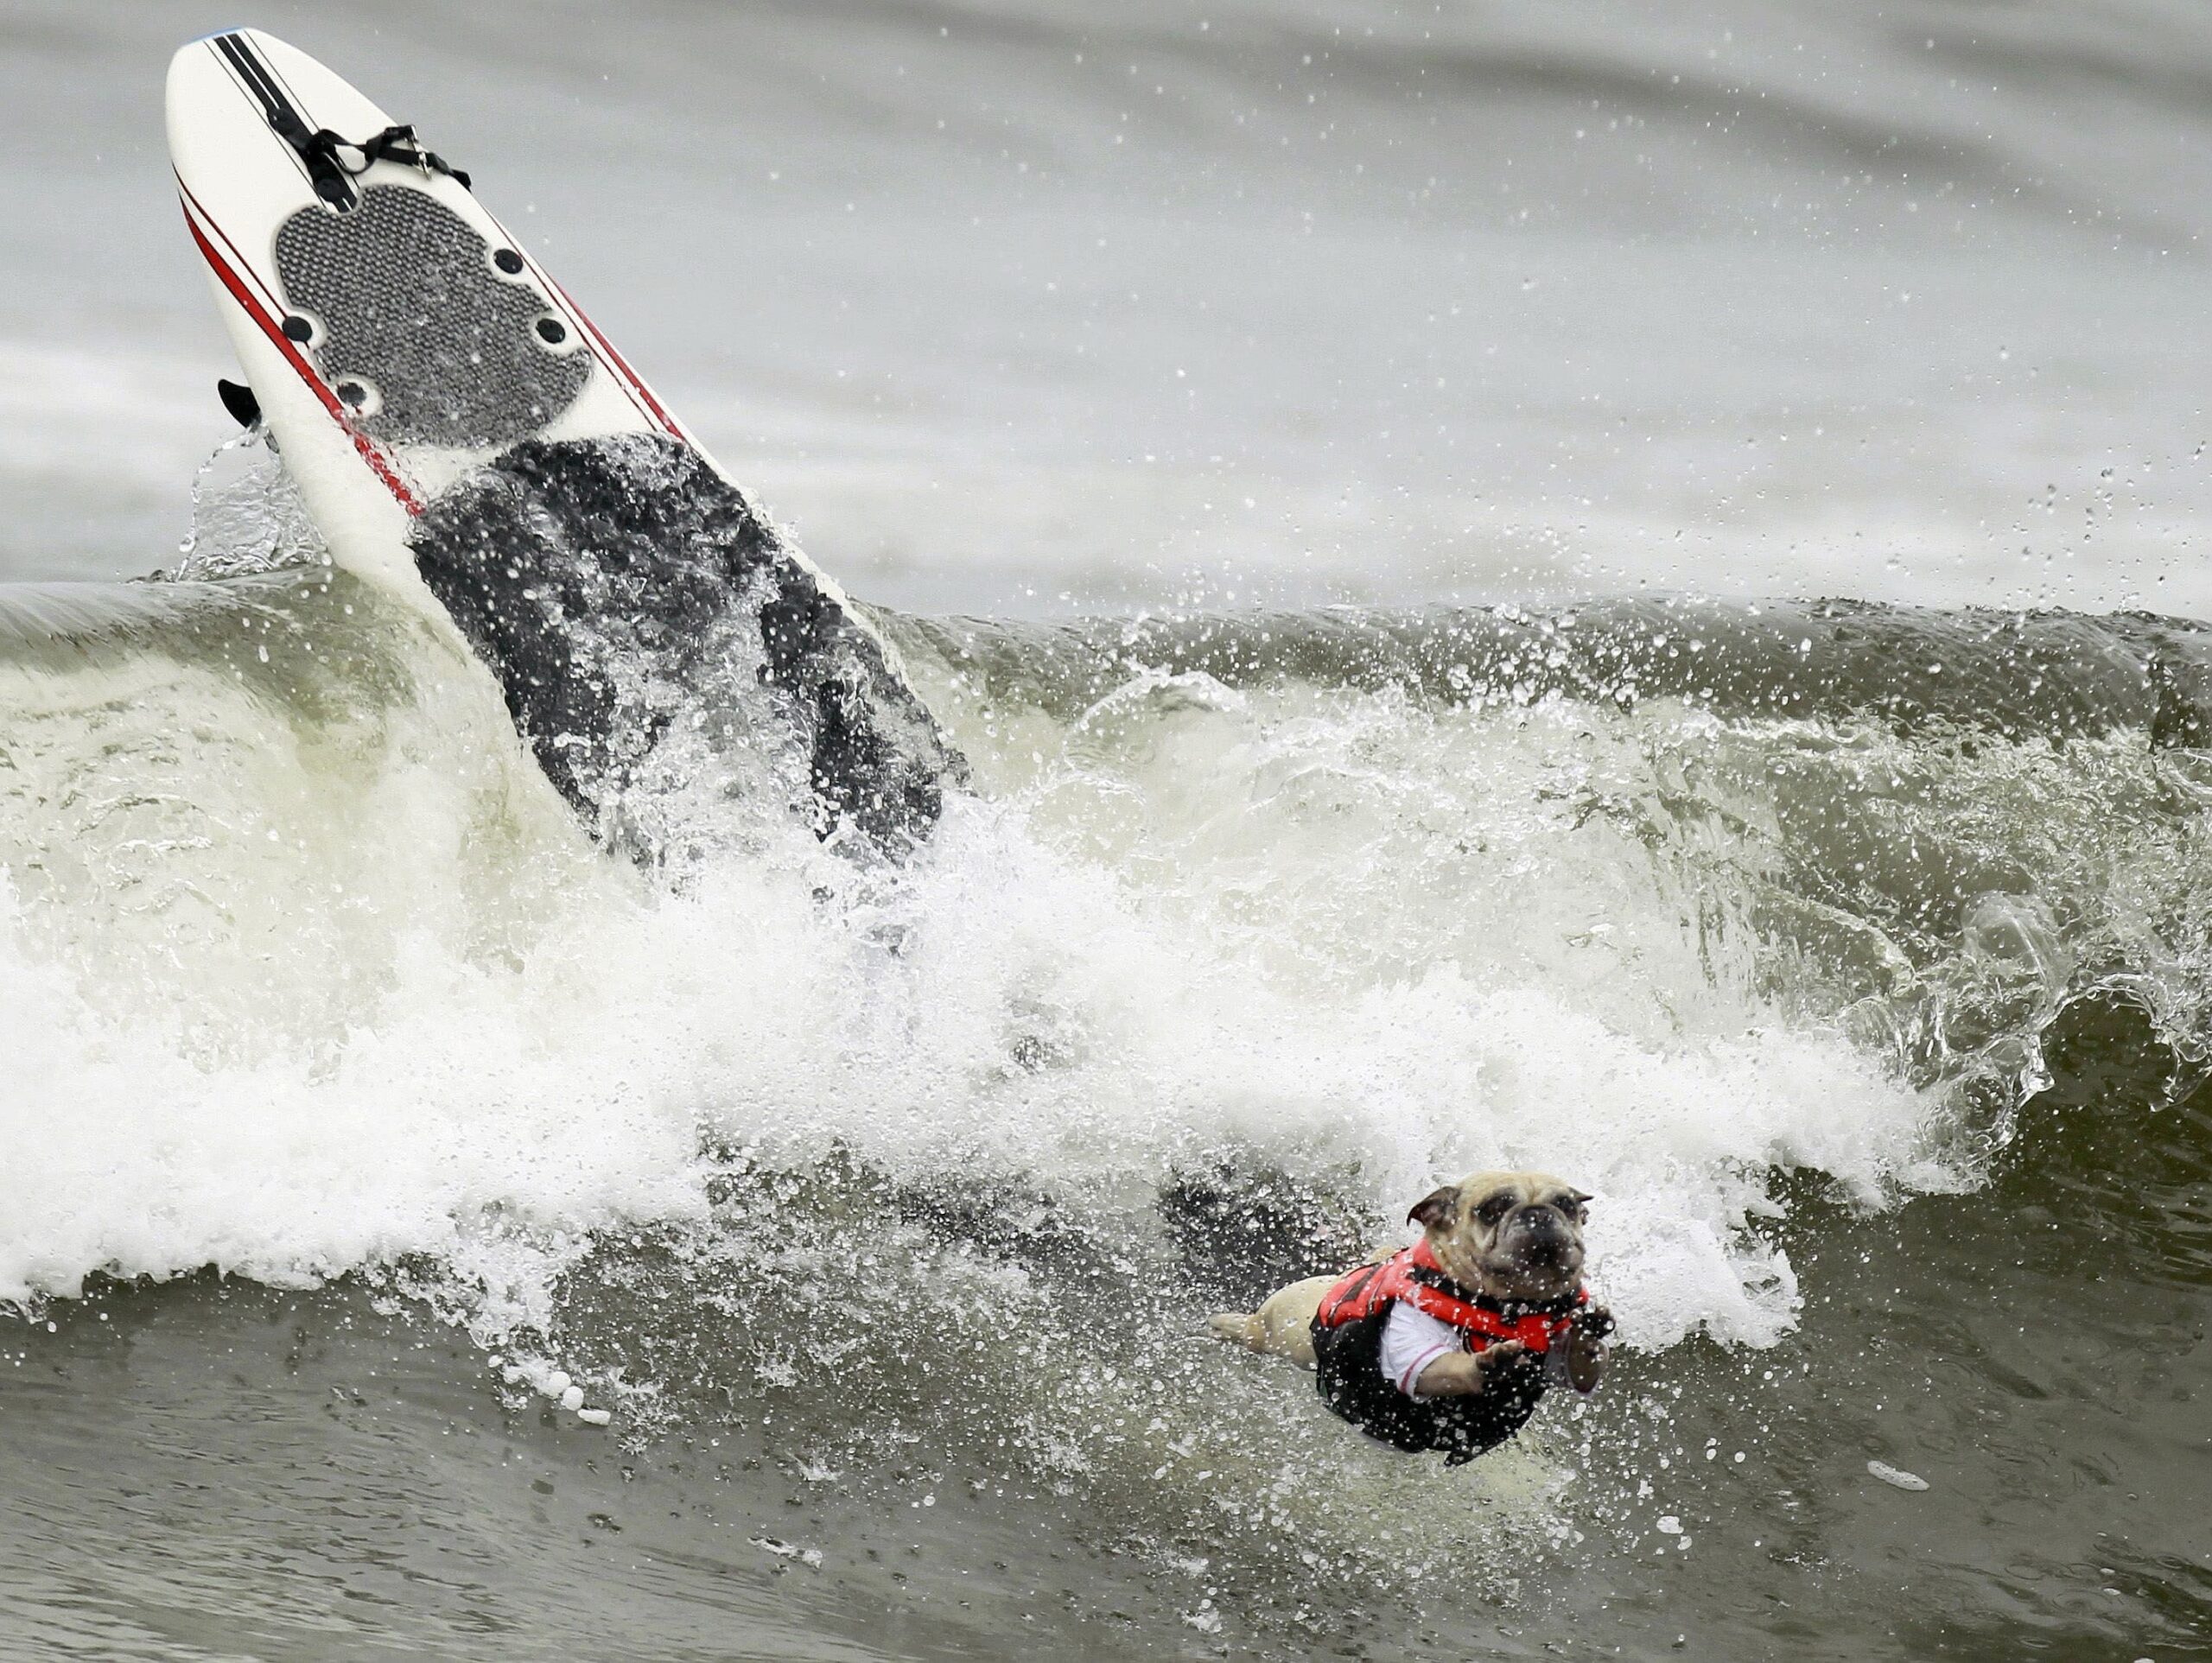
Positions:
{"x": 205, "y": 50}
{"x": 191, "y": 78}
{"x": 222, "y": 64}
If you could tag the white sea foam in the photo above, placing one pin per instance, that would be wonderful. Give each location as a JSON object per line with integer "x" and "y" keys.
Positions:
{"x": 342, "y": 990}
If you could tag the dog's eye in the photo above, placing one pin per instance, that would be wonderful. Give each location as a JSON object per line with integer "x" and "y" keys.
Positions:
{"x": 1495, "y": 1208}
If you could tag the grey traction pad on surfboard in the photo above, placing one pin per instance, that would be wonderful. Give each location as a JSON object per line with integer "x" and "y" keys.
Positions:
{"x": 584, "y": 571}
{"x": 406, "y": 301}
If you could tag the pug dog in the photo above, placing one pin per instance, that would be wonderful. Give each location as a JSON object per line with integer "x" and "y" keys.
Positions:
{"x": 1504, "y": 1252}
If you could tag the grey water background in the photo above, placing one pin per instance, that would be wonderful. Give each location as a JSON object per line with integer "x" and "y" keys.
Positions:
{"x": 1026, "y": 306}
{"x": 1857, "y": 952}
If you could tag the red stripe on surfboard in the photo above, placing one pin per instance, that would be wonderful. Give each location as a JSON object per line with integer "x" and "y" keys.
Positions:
{"x": 621, "y": 364}
{"x": 379, "y": 464}
{"x": 632, "y": 386}
{"x": 244, "y": 266}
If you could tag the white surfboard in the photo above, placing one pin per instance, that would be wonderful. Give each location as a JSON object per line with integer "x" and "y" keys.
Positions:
{"x": 420, "y": 374}
{"x": 284, "y": 247}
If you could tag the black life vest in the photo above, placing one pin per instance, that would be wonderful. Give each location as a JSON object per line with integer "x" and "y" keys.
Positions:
{"x": 1347, "y": 1356}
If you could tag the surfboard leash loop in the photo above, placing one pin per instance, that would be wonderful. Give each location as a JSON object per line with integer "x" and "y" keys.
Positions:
{"x": 334, "y": 162}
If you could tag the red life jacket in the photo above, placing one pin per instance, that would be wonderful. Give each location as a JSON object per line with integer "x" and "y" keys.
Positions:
{"x": 1413, "y": 1276}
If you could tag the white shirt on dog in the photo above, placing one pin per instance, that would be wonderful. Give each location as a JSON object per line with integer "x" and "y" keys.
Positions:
{"x": 1412, "y": 1340}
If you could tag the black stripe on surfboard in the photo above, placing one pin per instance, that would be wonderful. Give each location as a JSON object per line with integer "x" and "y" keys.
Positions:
{"x": 274, "y": 105}
{"x": 284, "y": 118}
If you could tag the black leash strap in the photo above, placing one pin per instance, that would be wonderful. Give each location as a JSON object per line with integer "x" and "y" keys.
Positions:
{"x": 334, "y": 161}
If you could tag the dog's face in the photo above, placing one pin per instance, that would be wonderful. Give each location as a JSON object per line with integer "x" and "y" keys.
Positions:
{"x": 1512, "y": 1236}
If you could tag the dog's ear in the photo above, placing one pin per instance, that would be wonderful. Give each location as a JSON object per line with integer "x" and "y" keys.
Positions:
{"x": 1433, "y": 1210}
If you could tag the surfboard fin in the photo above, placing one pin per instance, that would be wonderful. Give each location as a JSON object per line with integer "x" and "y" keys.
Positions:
{"x": 240, "y": 401}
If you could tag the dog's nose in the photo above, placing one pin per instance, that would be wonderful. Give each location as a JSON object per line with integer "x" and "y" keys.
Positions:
{"x": 1538, "y": 1231}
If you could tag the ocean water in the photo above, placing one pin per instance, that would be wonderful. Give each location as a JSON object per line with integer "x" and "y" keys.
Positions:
{"x": 1606, "y": 589}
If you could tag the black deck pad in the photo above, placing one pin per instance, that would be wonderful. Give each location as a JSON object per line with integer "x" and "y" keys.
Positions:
{"x": 408, "y": 308}
{"x": 613, "y": 586}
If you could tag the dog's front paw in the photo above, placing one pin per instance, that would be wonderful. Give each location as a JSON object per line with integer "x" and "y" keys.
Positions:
{"x": 1499, "y": 1356}
{"x": 1586, "y": 1358}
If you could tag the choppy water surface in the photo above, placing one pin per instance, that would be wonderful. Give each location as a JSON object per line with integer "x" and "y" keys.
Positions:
{"x": 1853, "y": 951}
{"x": 879, "y": 1207}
